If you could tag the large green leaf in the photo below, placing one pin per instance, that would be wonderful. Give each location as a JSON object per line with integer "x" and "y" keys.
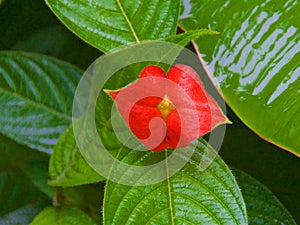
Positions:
{"x": 36, "y": 95}
{"x": 67, "y": 166}
{"x": 190, "y": 196}
{"x": 263, "y": 161}
{"x": 109, "y": 24}
{"x": 62, "y": 216}
{"x": 263, "y": 208}
{"x": 17, "y": 196}
{"x": 255, "y": 61}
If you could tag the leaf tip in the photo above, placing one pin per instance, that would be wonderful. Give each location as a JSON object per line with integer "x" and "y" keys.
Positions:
{"x": 228, "y": 121}
{"x": 111, "y": 93}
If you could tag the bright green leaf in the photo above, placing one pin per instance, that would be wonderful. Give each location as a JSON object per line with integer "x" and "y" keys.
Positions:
{"x": 109, "y": 24}
{"x": 62, "y": 216}
{"x": 184, "y": 38}
{"x": 190, "y": 196}
{"x": 67, "y": 166}
{"x": 255, "y": 61}
{"x": 36, "y": 95}
{"x": 263, "y": 208}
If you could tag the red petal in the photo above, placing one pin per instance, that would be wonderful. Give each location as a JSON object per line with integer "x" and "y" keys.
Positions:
{"x": 191, "y": 102}
{"x": 156, "y": 86}
{"x": 137, "y": 104}
{"x": 195, "y": 114}
{"x": 147, "y": 124}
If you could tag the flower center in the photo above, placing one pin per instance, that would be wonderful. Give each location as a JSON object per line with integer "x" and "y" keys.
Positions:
{"x": 165, "y": 107}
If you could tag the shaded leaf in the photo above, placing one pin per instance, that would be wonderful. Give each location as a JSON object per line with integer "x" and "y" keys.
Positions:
{"x": 62, "y": 216}
{"x": 26, "y": 161}
{"x": 255, "y": 62}
{"x": 67, "y": 166}
{"x": 19, "y": 196}
{"x": 109, "y": 24}
{"x": 23, "y": 215}
{"x": 33, "y": 25}
{"x": 87, "y": 198}
{"x": 39, "y": 175}
{"x": 263, "y": 208}
{"x": 62, "y": 45}
{"x": 36, "y": 95}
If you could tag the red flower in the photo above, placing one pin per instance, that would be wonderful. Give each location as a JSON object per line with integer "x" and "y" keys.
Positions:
{"x": 167, "y": 111}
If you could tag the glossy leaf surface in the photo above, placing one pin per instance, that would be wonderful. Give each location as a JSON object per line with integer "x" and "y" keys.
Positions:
{"x": 263, "y": 208}
{"x": 190, "y": 196}
{"x": 109, "y": 24}
{"x": 36, "y": 95}
{"x": 263, "y": 161}
{"x": 254, "y": 61}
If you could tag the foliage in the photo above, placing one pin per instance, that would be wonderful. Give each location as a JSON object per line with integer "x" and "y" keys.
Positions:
{"x": 253, "y": 62}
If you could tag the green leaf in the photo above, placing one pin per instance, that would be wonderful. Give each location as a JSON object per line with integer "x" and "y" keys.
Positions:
{"x": 15, "y": 156}
{"x": 255, "y": 62}
{"x": 62, "y": 216}
{"x": 190, "y": 196}
{"x": 39, "y": 175}
{"x": 184, "y": 38}
{"x": 32, "y": 163}
{"x": 18, "y": 194}
{"x": 109, "y": 24}
{"x": 23, "y": 215}
{"x": 263, "y": 207}
{"x": 63, "y": 45}
{"x": 67, "y": 166}
{"x": 263, "y": 161}
{"x": 36, "y": 95}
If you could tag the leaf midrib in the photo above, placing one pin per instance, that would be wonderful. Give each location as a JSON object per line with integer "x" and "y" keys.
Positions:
{"x": 169, "y": 190}
{"x": 37, "y": 104}
{"x": 128, "y": 21}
